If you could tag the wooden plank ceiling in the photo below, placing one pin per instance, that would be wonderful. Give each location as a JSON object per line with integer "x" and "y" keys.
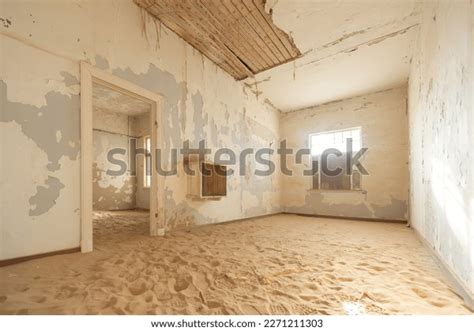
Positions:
{"x": 237, "y": 35}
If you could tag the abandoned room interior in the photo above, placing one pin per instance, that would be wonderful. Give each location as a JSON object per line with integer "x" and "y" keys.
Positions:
{"x": 103, "y": 211}
{"x": 120, "y": 121}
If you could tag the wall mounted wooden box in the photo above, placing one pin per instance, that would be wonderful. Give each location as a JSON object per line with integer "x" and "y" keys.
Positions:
{"x": 208, "y": 181}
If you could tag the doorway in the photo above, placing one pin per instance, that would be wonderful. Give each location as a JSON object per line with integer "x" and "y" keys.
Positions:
{"x": 118, "y": 114}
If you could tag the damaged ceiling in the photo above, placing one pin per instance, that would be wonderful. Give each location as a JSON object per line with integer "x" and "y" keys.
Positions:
{"x": 349, "y": 48}
{"x": 238, "y": 35}
{"x": 337, "y": 49}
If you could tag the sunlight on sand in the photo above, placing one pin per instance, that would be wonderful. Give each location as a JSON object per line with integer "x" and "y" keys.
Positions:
{"x": 353, "y": 308}
{"x": 281, "y": 264}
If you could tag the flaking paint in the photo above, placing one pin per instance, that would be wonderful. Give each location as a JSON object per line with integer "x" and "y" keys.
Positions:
{"x": 41, "y": 103}
{"x": 384, "y": 193}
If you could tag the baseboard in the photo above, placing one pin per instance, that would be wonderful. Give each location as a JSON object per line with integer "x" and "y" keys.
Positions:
{"x": 21, "y": 259}
{"x": 457, "y": 284}
{"x": 245, "y": 219}
{"x": 16, "y": 260}
{"x": 350, "y": 218}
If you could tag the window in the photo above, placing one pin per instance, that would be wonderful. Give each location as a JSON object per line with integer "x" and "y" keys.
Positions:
{"x": 335, "y": 139}
{"x": 147, "y": 167}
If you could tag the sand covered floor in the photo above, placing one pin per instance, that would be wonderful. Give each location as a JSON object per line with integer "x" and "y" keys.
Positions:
{"x": 275, "y": 265}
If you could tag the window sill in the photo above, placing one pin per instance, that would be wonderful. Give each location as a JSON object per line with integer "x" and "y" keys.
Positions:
{"x": 360, "y": 191}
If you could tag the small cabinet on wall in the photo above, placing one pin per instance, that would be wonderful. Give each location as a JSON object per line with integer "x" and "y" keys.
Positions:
{"x": 208, "y": 182}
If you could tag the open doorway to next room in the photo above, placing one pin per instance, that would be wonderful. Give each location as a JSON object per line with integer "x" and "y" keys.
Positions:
{"x": 121, "y": 166}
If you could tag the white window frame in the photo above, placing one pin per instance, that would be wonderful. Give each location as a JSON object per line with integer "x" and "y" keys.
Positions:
{"x": 146, "y": 173}
{"x": 317, "y": 156}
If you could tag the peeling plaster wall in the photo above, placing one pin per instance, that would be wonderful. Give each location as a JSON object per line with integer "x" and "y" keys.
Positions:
{"x": 111, "y": 192}
{"x": 383, "y": 121}
{"x": 112, "y": 130}
{"x": 117, "y": 130}
{"x": 441, "y": 135}
{"x": 40, "y": 112}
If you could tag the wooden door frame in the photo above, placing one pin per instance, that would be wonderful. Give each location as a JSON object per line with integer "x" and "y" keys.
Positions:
{"x": 90, "y": 75}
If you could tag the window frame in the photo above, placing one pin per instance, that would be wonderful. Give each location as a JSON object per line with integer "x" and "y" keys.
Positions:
{"x": 146, "y": 176}
{"x": 317, "y": 157}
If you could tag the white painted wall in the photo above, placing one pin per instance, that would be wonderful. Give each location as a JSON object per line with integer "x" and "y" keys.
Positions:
{"x": 383, "y": 121}
{"x": 39, "y": 86}
{"x": 441, "y": 135}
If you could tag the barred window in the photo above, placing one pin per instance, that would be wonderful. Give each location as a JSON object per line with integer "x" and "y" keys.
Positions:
{"x": 319, "y": 142}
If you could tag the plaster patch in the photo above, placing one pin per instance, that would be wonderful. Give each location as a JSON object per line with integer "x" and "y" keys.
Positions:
{"x": 164, "y": 83}
{"x": 315, "y": 205}
{"x": 101, "y": 62}
{"x": 69, "y": 80}
{"x": 396, "y": 209}
{"x": 46, "y": 196}
{"x": 60, "y": 113}
{"x": 182, "y": 215}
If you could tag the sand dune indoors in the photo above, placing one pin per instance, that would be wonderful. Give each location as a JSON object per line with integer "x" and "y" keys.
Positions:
{"x": 274, "y": 265}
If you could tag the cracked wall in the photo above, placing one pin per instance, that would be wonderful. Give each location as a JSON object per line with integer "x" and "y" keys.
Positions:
{"x": 40, "y": 118}
{"x": 384, "y": 193}
{"x": 360, "y": 47}
{"x": 441, "y": 135}
{"x": 40, "y": 122}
